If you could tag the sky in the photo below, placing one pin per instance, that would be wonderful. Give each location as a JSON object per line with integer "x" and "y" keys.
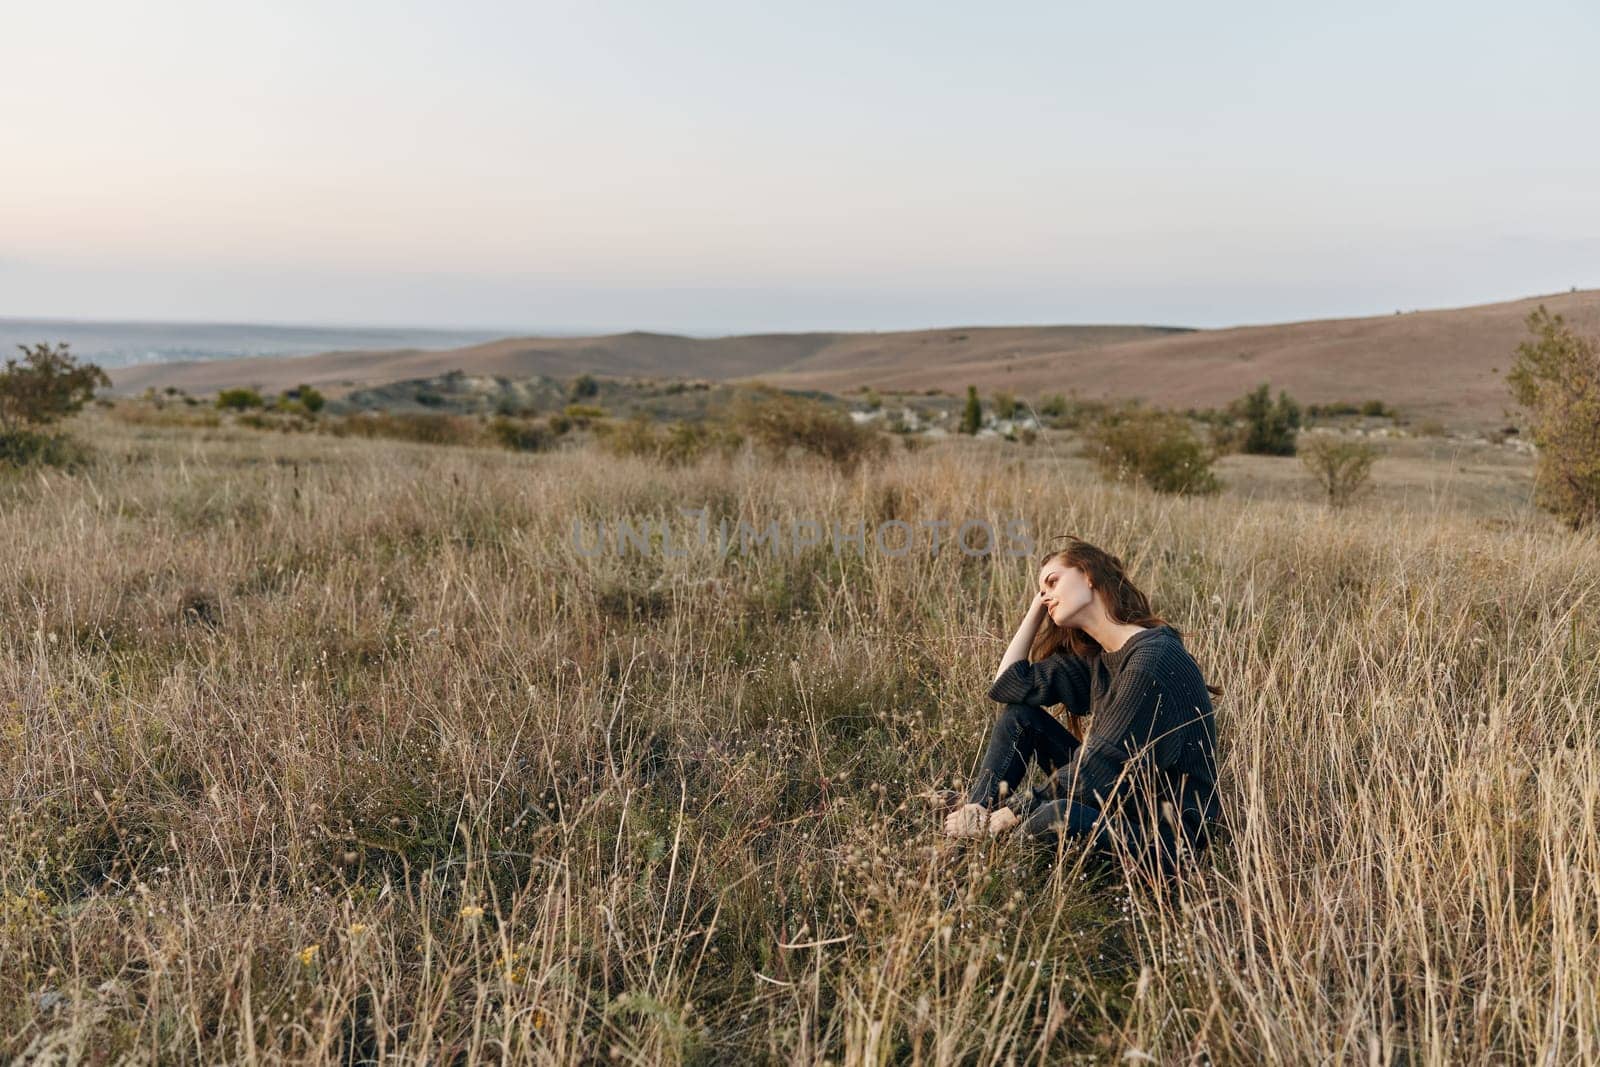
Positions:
{"x": 739, "y": 167}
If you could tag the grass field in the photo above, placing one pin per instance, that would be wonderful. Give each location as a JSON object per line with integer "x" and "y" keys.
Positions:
{"x": 327, "y": 749}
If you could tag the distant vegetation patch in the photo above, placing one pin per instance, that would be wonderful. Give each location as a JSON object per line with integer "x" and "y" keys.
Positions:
{"x": 1158, "y": 449}
{"x": 37, "y": 391}
{"x": 783, "y": 424}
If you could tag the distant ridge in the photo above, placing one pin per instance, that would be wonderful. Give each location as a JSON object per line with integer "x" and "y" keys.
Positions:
{"x": 1447, "y": 364}
{"x": 636, "y": 353}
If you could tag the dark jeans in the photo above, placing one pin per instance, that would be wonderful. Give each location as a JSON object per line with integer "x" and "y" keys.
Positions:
{"x": 1024, "y": 732}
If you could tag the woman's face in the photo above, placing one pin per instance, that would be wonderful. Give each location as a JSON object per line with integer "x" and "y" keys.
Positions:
{"x": 1066, "y": 592}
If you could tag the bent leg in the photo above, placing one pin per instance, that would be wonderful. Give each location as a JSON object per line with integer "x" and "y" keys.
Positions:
{"x": 1022, "y": 732}
{"x": 1056, "y": 819}
{"x": 1154, "y": 850}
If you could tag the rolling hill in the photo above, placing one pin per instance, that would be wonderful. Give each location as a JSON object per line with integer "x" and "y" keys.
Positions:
{"x": 1445, "y": 364}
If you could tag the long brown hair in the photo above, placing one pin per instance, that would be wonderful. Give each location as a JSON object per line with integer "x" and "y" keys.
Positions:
{"x": 1124, "y": 602}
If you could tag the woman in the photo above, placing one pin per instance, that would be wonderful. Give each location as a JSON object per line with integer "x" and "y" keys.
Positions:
{"x": 1144, "y": 777}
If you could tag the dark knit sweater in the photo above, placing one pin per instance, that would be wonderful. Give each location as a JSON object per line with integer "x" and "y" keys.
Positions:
{"x": 1151, "y": 724}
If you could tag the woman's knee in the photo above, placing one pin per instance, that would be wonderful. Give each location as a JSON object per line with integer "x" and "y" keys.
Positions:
{"x": 1046, "y": 822}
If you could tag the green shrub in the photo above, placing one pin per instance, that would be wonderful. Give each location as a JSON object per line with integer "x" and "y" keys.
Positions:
{"x": 1255, "y": 425}
{"x": 778, "y": 423}
{"x": 22, "y": 448}
{"x": 677, "y": 444}
{"x": 633, "y": 437}
{"x": 1335, "y": 408}
{"x": 45, "y": 386}
{"x": 520, "y": 436}
{"x": 1153, "y": 448}
{"x": 1342, "y": 468}
{"x": 686, "y": 442}
{"x": 242, "y": 399}
{"x": 1556, "y": 376}
{"x": 972, "y": 414}
{"x": 583, "y": 414}
{"x": 1070, "y": 412}
{"x": 1005, "y": 405}
{"x": 584, "y": 386}
{"x": 308, "y": 398}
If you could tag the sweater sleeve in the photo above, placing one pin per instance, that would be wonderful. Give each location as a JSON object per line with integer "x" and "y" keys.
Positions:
{"x": 1059, "y": 678}
{"x": 1123, "y": 728}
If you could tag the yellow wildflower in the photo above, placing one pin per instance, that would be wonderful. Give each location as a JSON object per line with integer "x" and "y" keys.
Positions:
{"x": 308, "y": 955}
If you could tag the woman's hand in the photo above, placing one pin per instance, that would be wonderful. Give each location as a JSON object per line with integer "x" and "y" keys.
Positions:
{"x": 968, "y": 820}
{"x": 1001, "y": 820}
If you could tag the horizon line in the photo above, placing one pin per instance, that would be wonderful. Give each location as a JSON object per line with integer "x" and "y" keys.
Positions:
{"x": 503, "y": 332}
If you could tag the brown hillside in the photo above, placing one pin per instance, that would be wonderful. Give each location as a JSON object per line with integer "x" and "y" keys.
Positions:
{"x": 1447, "y": 364}
{"x": 643, "y": 354}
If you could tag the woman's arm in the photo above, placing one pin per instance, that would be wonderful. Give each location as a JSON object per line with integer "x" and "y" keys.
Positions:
{"x": 1061, "y": 678}
{"x": 1125, "y": 731}
{"x": 1022, "y": 641}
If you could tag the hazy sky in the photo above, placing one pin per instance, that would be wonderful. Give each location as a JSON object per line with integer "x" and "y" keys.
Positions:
{"x": 717, "y": 167}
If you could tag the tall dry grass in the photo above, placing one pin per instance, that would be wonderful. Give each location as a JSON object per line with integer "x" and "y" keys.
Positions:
{"x": 688, "y": 793}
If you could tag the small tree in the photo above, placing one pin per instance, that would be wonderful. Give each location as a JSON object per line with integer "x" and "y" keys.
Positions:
{"x": 584, "y": 386}
{"x": 1556, "y": 376}
{"x": 972, "y": 416}
{"x": 45, "y": 386}
{"x": 1342, "y": 468}
{"x": 1268, "y": 429}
